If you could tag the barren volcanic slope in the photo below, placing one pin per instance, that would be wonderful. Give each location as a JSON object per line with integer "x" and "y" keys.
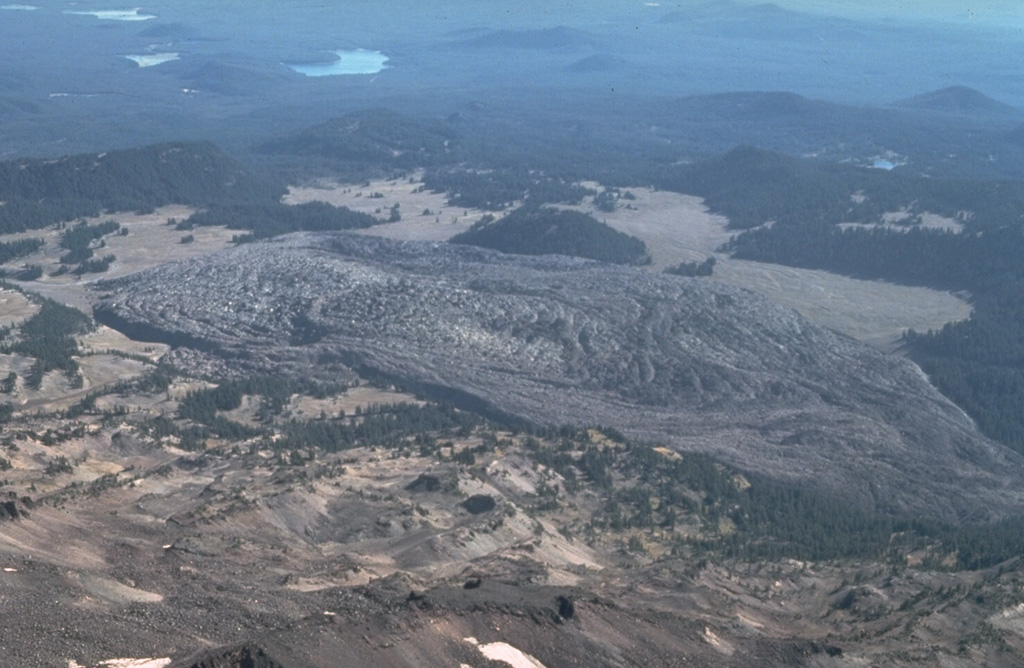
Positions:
{"x": 555, "y": 340}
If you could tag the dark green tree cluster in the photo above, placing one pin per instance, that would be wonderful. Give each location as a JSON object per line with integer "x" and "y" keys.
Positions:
{"x": 605, "y": 201}
{"x": 378, "y": 424}
{"x": 30, "y": 272}
{"x": 96, "y": 265}
{"x": 705, "y": 268}
{"x": 545, "y": 230}
{"x": 38, "y": 193}
{"x": 48, "y": 338}
{"x": 12, "y": 250}
{"x": 498, "y": 189}
{"x": 388, "y": 425}
{"x": 202, "y": 405}
{"x": 78, "y": 239}
{"x": 263, "y": 220}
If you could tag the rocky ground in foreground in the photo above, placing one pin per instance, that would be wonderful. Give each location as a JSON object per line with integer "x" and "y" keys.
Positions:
{"x": 404, "y": 556}
{"x": 553, "y": 340}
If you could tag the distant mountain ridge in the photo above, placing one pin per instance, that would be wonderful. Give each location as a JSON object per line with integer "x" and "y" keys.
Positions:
{"x": 957, "y": 100}
{"x": 599, "y": 62}
{"x": 372, "y": 138}
{"x": 759, "y": 105}
{"x": 724, "y": 9}
{"x": 543, "y": 39}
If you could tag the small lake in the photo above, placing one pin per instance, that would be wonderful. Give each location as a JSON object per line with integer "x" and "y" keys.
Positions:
{"x": 151, "y": 59}
{"x": 115, "y": 14}
{"x": 357, "y": 61}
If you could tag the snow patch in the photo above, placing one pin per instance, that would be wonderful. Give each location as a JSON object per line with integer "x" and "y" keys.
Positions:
{"x": 125, "y": 663}
{"x": 505, "y": 653}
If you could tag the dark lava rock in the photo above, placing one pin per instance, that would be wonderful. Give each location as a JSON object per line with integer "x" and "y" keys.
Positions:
{"x": 15, "y": 509}
{"x": 554, "y": 340}
{"x": 566, "y": 608}
{"x": 424, "y": 483}
{"x": 479, "y": 504}
{"x": 9, "y": 511}
{"x": 244, "y": 656}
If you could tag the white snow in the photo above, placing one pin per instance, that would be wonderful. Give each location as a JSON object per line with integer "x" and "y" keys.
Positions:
{"x": 125, "y": 663}
{"x": 502, "y": 651}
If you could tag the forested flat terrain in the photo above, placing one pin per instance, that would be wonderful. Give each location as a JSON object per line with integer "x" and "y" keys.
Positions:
{"x": 795, "y": 212}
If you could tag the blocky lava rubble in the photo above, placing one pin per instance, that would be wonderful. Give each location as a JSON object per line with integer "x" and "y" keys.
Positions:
{"x": 553, "y": 340}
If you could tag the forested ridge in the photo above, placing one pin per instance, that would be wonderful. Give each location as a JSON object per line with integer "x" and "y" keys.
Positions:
{"x": 545, "y": 230}
{"x": 37, "y": 193}
{"x": 267, "y": 219}
{"x": 363, "y": 144}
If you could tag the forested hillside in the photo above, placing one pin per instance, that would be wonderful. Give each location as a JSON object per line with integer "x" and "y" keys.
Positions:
{"x": 371, "y": 142}
{"x": 753, "y": 187}
{"x": 548, "y": 231}
{"x": 37, "y": 193}
{"x": 268, "y": 219}
{"x": 640, "y": 488}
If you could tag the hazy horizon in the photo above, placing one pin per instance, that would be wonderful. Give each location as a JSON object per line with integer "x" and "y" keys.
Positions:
{"x": 990, "y": 13}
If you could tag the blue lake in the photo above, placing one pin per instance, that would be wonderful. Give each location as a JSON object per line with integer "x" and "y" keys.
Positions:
{"x": 151, "y": 59}
{"x": 358, "y": 61}
{"x": 115, "y": 14}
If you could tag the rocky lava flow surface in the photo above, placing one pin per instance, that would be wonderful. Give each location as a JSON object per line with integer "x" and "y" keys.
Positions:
{"x": 554, "y": 340}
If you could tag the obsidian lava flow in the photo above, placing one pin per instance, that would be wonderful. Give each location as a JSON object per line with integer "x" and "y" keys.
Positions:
{"x": 554, "y": 340}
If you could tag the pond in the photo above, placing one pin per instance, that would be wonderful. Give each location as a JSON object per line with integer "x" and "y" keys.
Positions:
{"x": 115, "y": 14}
{"x": 356, "y": 61}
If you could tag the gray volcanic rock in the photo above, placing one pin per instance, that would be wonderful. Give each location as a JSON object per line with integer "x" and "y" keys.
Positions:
{"x": 555, "y": 340}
